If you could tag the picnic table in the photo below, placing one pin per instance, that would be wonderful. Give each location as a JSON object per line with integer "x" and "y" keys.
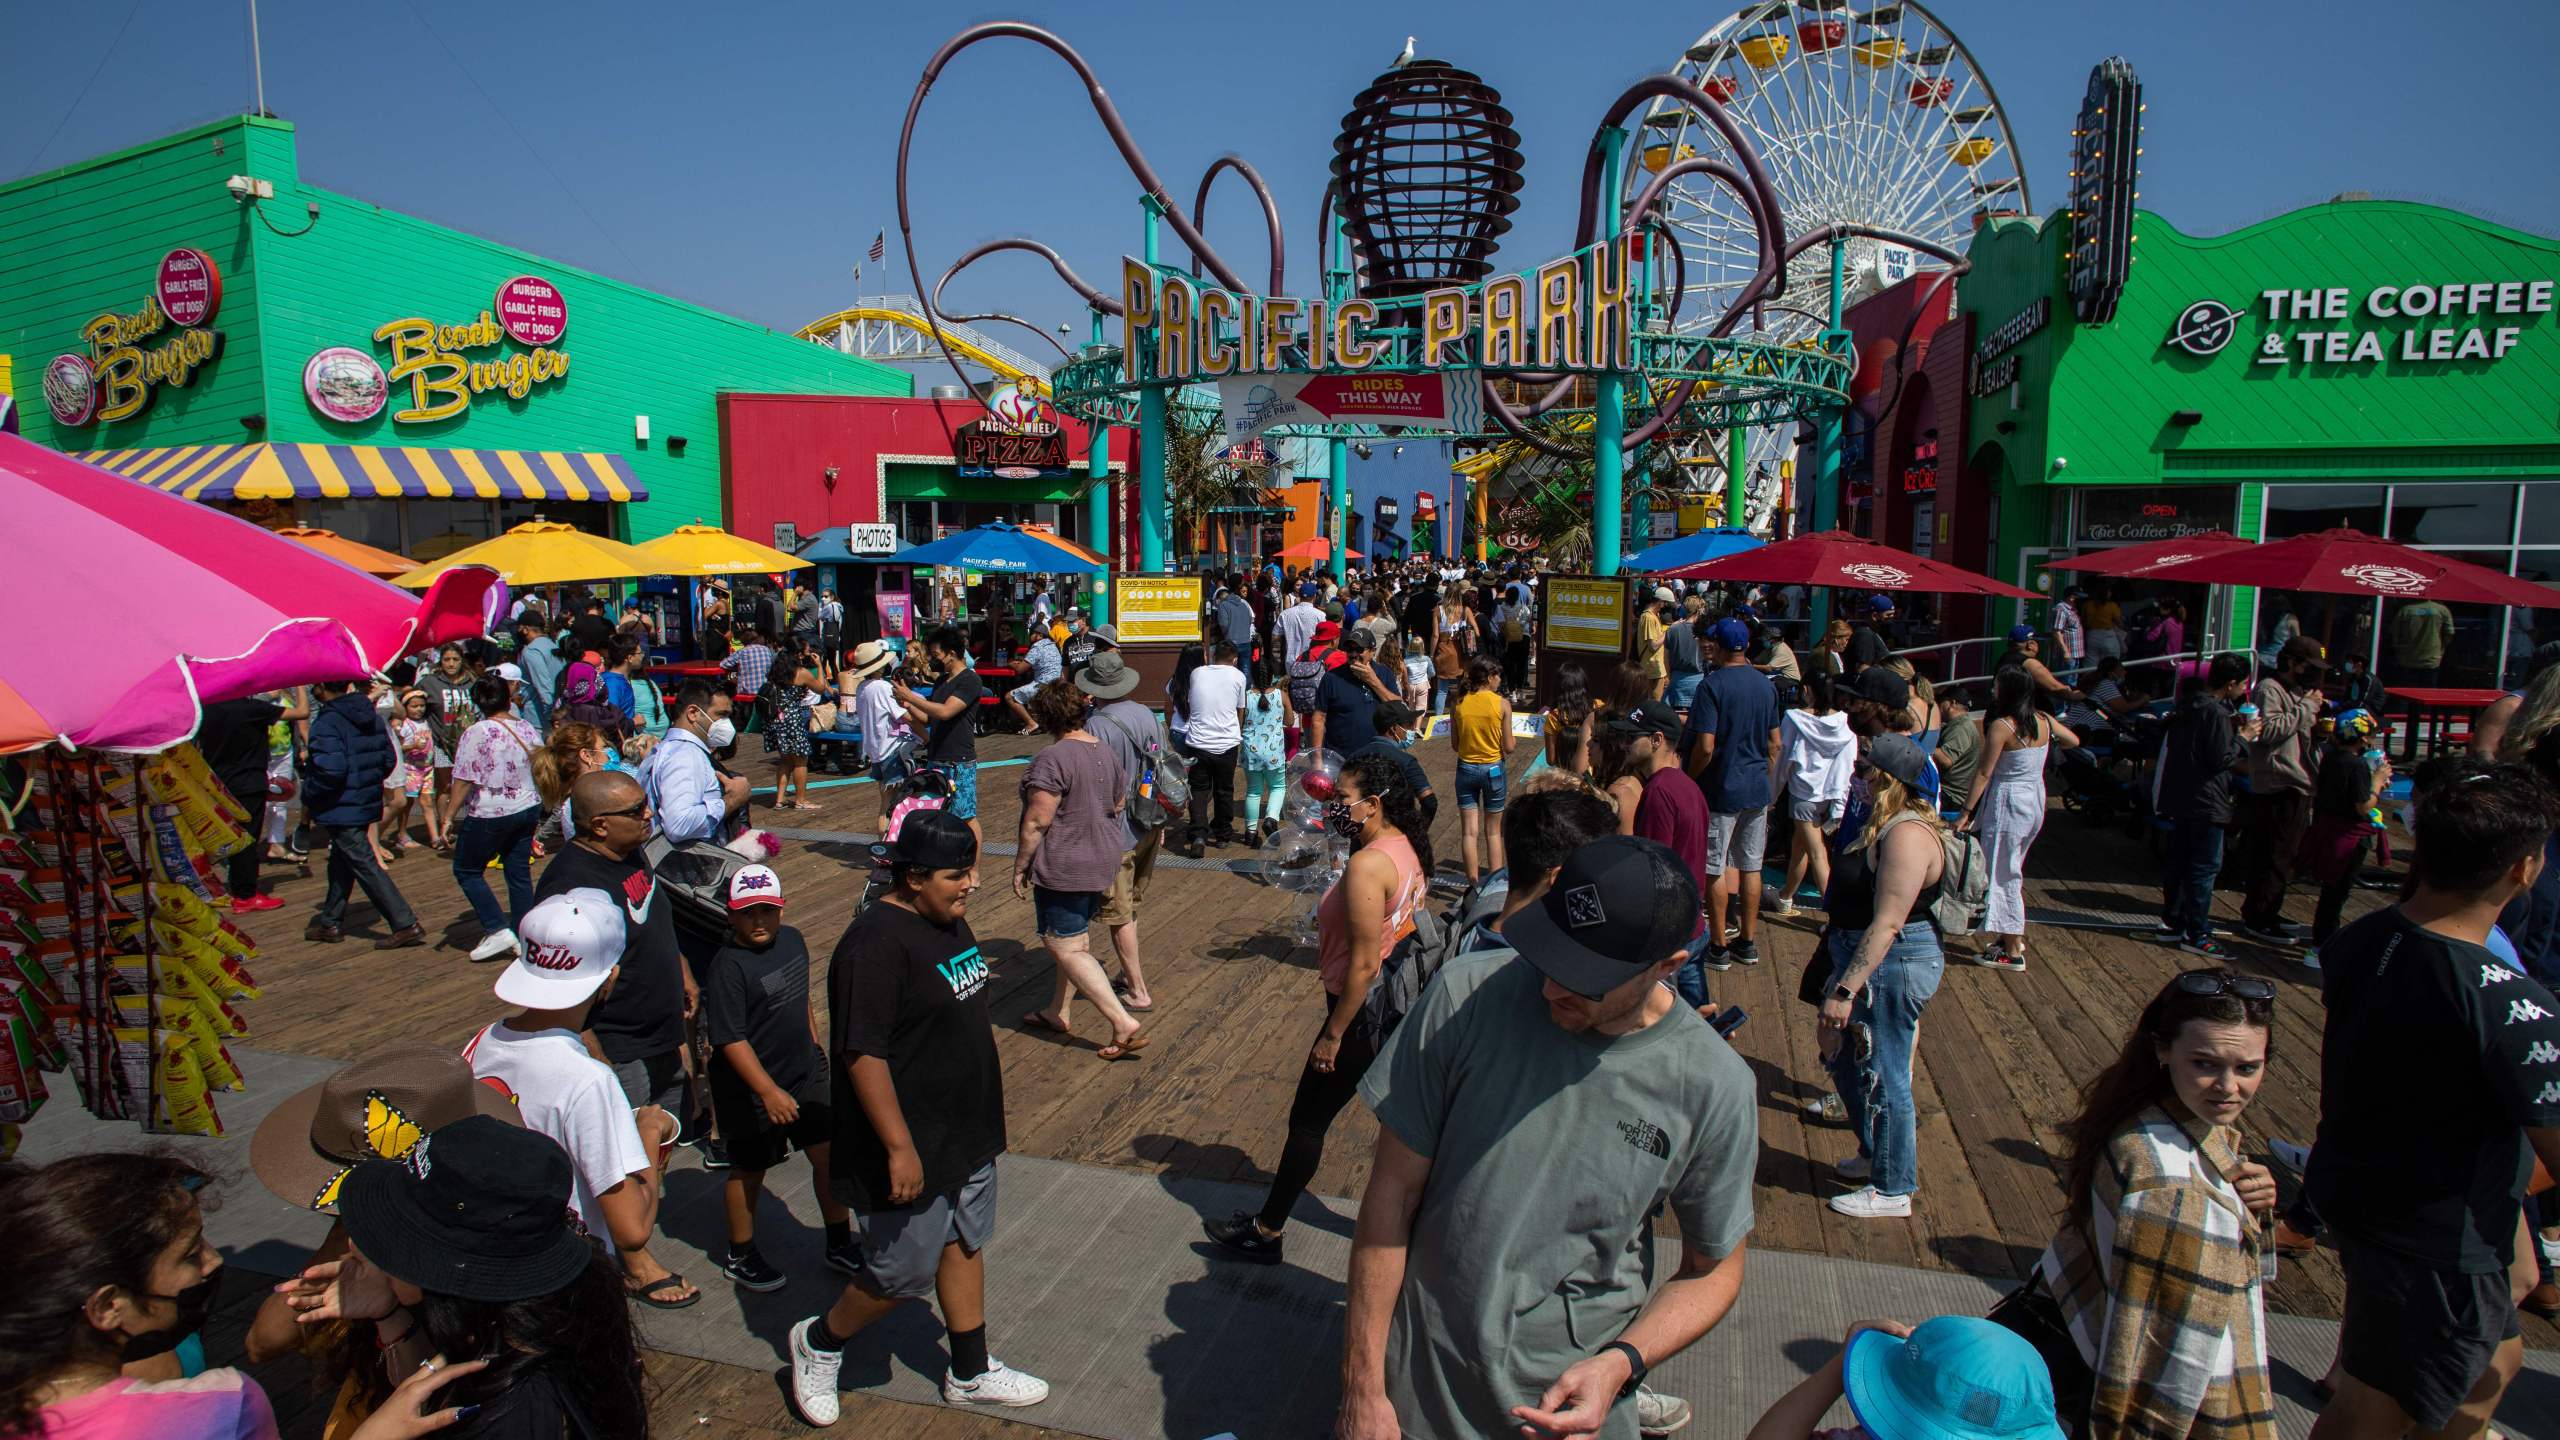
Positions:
{"x": 2433, "y": 709}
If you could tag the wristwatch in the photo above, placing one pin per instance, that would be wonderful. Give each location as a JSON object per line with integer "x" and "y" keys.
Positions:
{"x": 1843, "y": 992}
{"x": 1636, "y": 1367}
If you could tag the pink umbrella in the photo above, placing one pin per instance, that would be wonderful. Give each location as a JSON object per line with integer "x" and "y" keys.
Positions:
{"x": 132, "y": 607}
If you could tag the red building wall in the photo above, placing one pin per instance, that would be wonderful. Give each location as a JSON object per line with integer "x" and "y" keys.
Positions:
{"x": 1911, "y": 378}
{"x": 776, "y": 450}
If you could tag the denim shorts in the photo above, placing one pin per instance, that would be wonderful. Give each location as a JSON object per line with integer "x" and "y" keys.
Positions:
{"x": 1065, "y": 914}
{"x": 1481, "y": 787}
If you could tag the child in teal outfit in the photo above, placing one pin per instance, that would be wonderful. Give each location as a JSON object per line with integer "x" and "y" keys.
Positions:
{"x": 1266, "y": 716}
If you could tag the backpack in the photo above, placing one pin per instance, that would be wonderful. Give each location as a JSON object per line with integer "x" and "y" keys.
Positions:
{"x": 1433, "y": 942}
{"x": 1305, "y": 674}
{"x": 1964, "y": 889}
{"x": 1161, "y": 789}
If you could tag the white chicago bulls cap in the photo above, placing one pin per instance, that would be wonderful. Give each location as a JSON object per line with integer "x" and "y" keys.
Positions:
{"x": 567, "y": 947}
{"x": 754, "y": 885}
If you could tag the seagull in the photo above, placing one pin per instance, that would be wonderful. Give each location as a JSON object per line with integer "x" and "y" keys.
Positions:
{"x": 1407, "y": 57}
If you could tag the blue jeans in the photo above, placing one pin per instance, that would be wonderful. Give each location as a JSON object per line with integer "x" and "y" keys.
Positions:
{"x": 1877, "y": 1089}
{"x": 508, "y": 838}
{"x": 1482, "y": 787}
{"x": 1683, "y": 689}
{"x": 1689, "y": 982}
{"x": 2193, "y": 859}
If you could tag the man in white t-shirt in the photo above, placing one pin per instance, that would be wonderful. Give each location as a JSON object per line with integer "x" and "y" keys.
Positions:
{"x": 1213, "y": 734}
{"x": 571, "y": 951}
{"x": 1298, "y": 625}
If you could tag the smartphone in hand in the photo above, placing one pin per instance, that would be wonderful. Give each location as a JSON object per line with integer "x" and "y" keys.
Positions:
{"x": 1729, "y": 1020}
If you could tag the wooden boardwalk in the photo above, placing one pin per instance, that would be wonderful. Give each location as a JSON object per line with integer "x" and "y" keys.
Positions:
{"x": 2002, "y": 1056}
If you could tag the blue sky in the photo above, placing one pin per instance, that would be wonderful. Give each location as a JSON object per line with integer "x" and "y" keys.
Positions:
{"x": 742, "y": 155}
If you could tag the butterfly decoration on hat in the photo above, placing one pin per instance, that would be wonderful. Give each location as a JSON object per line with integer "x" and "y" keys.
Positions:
{"x": 388, "y": 1135}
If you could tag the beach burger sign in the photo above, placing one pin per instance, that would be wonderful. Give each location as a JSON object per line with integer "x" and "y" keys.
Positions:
{"x": 132, "y": 355}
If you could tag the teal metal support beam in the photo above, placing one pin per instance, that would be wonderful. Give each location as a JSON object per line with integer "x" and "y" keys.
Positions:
{"x": 1609, "y": 417}
{"x": 1097, "y": 504}
{"x": 1155, "y": 511}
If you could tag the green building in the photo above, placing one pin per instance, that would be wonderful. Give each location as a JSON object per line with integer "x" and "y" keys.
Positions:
{"x": 2387, "y": 366}
{"x": 191, "y": 313}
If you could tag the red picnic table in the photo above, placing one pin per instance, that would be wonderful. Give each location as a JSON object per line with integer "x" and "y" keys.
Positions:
{"x": 2434, "y": 709}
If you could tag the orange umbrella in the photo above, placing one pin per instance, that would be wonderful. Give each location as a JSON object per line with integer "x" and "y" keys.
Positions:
{"x": 1317, "y": 548}
{"x": 338, "y": 547}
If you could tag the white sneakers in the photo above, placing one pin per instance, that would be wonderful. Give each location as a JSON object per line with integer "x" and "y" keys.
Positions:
{"x": 1866, "y": 1204}
{"x": 998, "y": 1386}
{"x": 813, "y": 1377}
{"x": 495, "y": 944}
{"x": 815, "y": 1373}
{"x": 1658, "y": 1414}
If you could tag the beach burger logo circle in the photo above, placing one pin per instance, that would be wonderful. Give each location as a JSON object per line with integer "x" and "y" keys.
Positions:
{"x": 1883, "y": 577}
{"x": 2389, "y": 579}
{"x": 71, "y": 389}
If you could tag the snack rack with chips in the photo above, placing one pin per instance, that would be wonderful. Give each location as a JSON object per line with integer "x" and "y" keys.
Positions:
{"x": 119, "y": 968}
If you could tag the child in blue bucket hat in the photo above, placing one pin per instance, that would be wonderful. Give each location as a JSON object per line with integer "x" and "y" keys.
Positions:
{"x": 1953, "y": 1378}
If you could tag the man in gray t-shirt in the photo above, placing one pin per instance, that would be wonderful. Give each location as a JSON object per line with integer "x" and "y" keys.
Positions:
{"x": 1534, "y": 1111}
{"x": 1125, "y": 726}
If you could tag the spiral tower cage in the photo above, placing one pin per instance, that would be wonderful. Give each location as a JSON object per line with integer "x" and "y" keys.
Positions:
{"x": 1427, "y": 166}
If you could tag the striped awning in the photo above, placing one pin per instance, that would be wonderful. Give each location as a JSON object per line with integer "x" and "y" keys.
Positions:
{"x": 268, "y": 470}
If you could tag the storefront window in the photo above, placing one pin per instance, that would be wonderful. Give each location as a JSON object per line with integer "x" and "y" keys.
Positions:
{"x": 2474, "y": 658}
{"x": 593, "y": 516}
{"x": 2453, "y": 514}
{"x": 2304, "y": 509}
{"x": 374, "y": 522}
{"x": 437, "y": 528}
{"x": 2541, "y": 523}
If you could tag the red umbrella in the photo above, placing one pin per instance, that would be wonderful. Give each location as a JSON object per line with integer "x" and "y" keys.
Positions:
{"x": 1838, "y": 558}
{"x": 2350, "y": 562}
{"x": 2147, "y": 558}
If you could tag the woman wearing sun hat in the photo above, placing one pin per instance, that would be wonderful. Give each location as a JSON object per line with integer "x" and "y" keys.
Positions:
{"x": 471, "y": 1243}
{"x": 1952, "y": 1378}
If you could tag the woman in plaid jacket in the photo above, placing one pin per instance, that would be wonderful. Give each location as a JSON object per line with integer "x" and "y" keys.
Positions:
{"x": 2161, "y": 1264}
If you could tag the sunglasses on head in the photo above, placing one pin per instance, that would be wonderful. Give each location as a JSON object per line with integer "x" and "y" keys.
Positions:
{"x": 2223, "y": 982}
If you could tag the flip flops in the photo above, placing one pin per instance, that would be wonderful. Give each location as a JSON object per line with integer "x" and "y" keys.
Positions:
{"x": 650, "y": 1294}
{"x": 1122, "y": 1050}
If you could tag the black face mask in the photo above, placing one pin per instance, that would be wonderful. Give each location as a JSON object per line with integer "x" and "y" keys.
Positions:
{"x": 195, "y": 1306}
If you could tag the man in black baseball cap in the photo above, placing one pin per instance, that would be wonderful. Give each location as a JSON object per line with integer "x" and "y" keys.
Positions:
{"x": 1608, "y": 1093}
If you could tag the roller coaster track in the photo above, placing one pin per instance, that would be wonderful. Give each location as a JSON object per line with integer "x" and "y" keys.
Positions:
{"x": 893, "y": 327}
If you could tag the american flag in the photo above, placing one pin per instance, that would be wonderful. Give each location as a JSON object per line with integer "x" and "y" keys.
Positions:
{"x": 879, "y": 246}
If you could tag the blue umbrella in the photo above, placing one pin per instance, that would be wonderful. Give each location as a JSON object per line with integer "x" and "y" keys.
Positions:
{"x": 1692, "y": 549}
{"x": 1006, "y": 549}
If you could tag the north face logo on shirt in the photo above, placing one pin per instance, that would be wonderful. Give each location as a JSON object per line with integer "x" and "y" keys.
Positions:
{"x": 2520, "y": 1010}
{"x": 1582, "y": 907}
{"x": 1647, "y": 1136}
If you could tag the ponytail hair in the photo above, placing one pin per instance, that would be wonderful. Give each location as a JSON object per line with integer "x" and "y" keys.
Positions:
{"x": 1383, "y": 780}
{"x": 560, "y": 761}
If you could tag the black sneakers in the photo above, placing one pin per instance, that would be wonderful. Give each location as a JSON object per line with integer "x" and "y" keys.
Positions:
{"x": 1238, "y": 1234}
{"x": 1744, "y": 952}
{"x": 748, "y": 1270}
{"x": 845, "y": 1256}
{"x": 1718, "y": 958}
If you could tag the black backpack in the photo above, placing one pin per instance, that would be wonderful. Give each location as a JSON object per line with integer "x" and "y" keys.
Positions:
{"x": 1433, "y": 942}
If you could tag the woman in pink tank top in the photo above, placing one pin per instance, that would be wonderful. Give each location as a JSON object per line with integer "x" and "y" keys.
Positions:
{"x": 1362, "y": 918}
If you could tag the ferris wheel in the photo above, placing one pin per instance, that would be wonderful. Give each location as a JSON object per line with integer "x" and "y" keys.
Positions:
{"x": 1877, "y": 117}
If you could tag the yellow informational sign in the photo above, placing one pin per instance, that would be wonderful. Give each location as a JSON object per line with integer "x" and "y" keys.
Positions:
{"x": 1587, "y": 614}
{"x": 1156, "y": 607}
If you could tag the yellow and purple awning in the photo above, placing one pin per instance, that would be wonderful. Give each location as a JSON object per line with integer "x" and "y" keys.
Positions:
{"x": 269, "y": 470}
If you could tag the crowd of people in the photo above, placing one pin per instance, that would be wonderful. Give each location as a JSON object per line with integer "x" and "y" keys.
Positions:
{"x": 1548, "y": 1062}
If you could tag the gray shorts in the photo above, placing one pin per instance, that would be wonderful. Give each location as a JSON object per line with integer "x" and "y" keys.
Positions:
{"x": 657, "y": 1080}
{"x": 1738, "y": 841}
{"x": 1825, "y": 813}
{"x": 902, "y": 1247}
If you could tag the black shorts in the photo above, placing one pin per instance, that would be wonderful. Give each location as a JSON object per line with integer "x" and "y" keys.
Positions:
{"x": 2421, "y": 1335}
{"x": 754, "y": 1142}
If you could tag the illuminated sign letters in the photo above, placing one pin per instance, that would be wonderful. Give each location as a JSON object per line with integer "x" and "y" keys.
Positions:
{"x": 444, "y": 379}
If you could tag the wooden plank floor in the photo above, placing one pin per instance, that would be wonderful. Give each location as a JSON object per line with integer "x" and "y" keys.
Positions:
{"x": 2001, "y": 1061}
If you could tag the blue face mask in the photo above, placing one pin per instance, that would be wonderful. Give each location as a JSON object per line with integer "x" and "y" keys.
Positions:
{"x": 1405, "y": 740}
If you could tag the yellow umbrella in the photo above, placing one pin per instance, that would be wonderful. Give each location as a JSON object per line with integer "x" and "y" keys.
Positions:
{"x": 354, "y": 552}
{"x": 699, "y": 549}
{"x": 543, "y": 552}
